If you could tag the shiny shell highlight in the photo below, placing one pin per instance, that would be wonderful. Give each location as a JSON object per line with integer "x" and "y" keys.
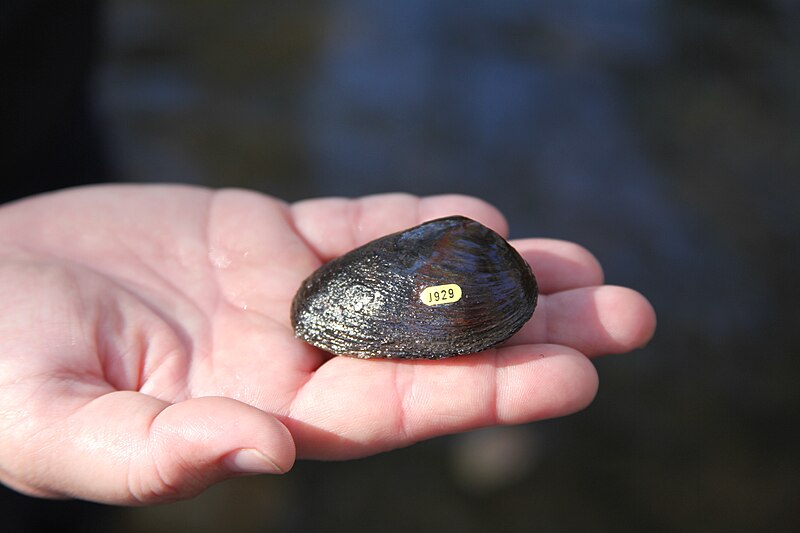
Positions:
{"x": 446, "y": 287}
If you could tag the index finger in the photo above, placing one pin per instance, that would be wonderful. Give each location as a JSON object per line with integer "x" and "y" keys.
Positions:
{"x": 335, "y": 226}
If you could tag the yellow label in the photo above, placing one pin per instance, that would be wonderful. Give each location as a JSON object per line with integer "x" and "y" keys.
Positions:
{"x": 440, "y": 294}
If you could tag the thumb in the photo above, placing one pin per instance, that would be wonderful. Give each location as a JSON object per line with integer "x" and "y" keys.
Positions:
{"x": 129, "y": 448}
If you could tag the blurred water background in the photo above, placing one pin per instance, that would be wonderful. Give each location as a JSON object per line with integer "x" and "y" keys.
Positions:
{"x": 664, "y": 136}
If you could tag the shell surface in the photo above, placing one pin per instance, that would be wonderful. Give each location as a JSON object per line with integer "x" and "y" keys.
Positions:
{"x": 446, "y": 287}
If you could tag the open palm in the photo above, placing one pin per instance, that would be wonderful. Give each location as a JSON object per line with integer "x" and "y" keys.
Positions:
{"x": 146, "y": 350}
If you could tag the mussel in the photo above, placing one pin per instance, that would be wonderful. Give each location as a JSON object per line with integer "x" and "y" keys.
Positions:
{"x": 447, "y": 287}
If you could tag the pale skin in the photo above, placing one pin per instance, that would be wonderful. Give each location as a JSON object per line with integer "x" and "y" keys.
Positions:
{"x": 146, "y": 351}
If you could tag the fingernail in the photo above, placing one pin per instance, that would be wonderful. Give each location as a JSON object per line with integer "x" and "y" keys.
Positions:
{"x": 251, "y": 461}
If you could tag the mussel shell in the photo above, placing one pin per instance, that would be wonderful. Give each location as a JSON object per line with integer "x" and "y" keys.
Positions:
{"x": 368, "y": 303}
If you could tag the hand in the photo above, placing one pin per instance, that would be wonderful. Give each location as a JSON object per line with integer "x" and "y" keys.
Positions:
{"x": 146, "y": 350}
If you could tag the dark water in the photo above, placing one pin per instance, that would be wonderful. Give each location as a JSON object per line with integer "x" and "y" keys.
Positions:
{"x": 664, "y": 136}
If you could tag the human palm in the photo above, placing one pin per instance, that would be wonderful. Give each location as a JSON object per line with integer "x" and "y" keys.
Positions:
{"x": 146, "y": 350}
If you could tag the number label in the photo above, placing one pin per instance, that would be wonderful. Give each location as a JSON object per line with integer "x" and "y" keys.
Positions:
{"x": 440, "y": 294}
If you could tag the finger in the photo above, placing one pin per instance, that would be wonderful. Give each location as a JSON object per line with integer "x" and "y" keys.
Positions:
{"x": 129, "y": 448}
{"x": 352, "y": 407}
{"x": 592, "y": 320}
{"x": 334, "y": 226}
{"x": 559, "y": 265}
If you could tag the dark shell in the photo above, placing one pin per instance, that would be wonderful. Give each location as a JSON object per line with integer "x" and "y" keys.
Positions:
{"x": 368, "y": 303}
